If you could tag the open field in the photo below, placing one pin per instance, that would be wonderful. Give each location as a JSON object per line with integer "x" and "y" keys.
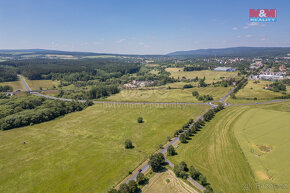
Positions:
{"x": 263, "y": 135}
{"x": 217, "y": 154}
{"x": 167, "y": 182}
{"x": 59, "y": 56}
{"x": 242, "y": 146}
{"x": 17, "y": 85}
{"x": 167, "y": 95}
{"x": 101, "y": 56}
{"x": 252, "y": 90}
{"x": 44, "y": 84}
{"x": 84, "y": 151}
{"x": 209, "y": 75}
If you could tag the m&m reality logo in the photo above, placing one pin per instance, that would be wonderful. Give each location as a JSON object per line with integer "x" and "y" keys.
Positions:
{"x": 263, "y": 15}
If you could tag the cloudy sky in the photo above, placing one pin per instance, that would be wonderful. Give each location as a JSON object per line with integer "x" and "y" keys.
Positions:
{"x": 139, "y": 26}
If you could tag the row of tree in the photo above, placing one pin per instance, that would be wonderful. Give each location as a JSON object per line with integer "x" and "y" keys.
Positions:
{"x": 185, "y": 132}
{"x": 181, "y": 170}
{"x": 194, "y": 68}
{"x": 49, "y": 110}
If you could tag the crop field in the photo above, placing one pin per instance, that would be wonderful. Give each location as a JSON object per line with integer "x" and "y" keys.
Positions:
{"x": 263, "y": 135}
{"x": 44, "y": 84}
{"x": 242, "y": 146}
{"x": 16, "y": 85}
{"x": 167, "y": 182}
{"x": 209, "y": 75}
{"x": 84, "y": 151}
{"x": 167, "y": 95}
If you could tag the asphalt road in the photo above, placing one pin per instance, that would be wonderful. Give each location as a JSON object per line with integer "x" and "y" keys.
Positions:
{"x": 146, "y": 166}
{"x": 27, "y": 88}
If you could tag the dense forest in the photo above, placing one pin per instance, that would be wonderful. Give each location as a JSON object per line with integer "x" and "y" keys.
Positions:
{"x": 36, "y": 69}
{"x": 7, "y": 73}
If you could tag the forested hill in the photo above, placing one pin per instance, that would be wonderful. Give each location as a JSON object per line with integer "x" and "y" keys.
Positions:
{"x": 235, "y": 52}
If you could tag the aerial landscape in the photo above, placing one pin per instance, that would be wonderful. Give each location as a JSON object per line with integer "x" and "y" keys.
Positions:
{"x": 144, "y": 96}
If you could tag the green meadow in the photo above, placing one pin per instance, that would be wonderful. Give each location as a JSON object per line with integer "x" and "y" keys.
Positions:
{"x": 210, "y": 76}
{"x": 163, "y": 94}
{"x": 84, "y": 151}
{"x": 16, "y": 85}
{"x": 256, "y": 90}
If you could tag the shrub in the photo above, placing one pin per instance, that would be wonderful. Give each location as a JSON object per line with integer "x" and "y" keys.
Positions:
{"x": 188, "y": 86}
{"x": 140, "y": 120}
{"x": 171, "y": 150}
{"x": 128, "y": 144}
{"x": 195, "y": 93}
{"x": 182, "y": 138}
{"x": 156, "y": 161}
{"x": 140, "y": 178}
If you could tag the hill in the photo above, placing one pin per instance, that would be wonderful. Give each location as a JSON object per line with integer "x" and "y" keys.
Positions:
{"x": 235, "y": 52}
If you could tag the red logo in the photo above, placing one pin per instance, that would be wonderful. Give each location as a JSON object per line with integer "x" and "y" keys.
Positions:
{"x": 262, "y": 13}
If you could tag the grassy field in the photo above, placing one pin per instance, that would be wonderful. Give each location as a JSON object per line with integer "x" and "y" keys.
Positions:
{"x": 209, "y": 75}
{"x": 231, "y": 150}
{"x": 44, "y": 84}
{"x": 264, "y": 138}
{"x": 167, "y": 95}
{"x": 217, "y": 154}
{"x": 252, "y": 90}
{"x": 84, "y": 151}
{"x": 167, "y": 182}
{"x": 17, "y": 85}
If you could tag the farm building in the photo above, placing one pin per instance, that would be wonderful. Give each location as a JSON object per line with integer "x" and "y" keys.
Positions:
{"x": 226, "y": 69}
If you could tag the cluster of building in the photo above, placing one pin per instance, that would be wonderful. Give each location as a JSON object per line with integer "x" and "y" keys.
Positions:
{"x": 257, "y": 64}
{"x": 269, "y": 74}
{"x": 136, "y": 84}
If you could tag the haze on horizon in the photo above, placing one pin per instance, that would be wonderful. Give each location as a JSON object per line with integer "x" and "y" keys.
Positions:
{"x": 139, "y": 27}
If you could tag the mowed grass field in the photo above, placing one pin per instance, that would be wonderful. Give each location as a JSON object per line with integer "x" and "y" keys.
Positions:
{"x": 215, "y": 151}
{"x": 263, "y": 135}
{"x": 228, "y": 149}
{"x": 16, "y": 85}
{"x": 44, "y": 84}
{"x": 210, "y": 76}
{"x": 167, "y": 95}
{"x": 167, "y": 182}
{"x": 84, "y": 151}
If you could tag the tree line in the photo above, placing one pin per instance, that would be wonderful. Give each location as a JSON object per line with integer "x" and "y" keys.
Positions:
{"x": 194, "y": 68}
{"x": 6, "y": 88}
{"x": 189, "y": 129}
{"x": 32, "y": 113}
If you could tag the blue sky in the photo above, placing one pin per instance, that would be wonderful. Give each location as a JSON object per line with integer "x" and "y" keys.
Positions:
{"x": 139, "y": 26}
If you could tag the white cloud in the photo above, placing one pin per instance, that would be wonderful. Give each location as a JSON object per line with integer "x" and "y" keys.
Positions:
{"x": 263, "y": 39}
{"x": 253, "y": 24}
{"x": 250, "y": 25}
{"x": 120, "y": 41}
{"x": 235, "y": 28}
{"x": 249, "y": 36}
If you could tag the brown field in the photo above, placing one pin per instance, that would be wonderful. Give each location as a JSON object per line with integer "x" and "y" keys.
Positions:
{"x": 167, "y": 182}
